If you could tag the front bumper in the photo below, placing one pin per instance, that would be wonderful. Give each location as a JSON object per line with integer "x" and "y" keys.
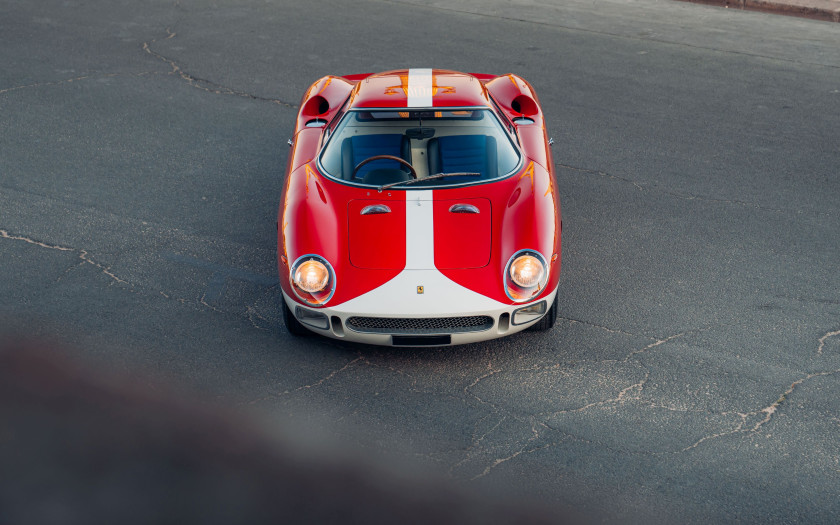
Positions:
{"x": 397, "y": 314}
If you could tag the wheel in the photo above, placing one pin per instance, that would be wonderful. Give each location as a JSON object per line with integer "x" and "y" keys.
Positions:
{"x": 549, "y": 318}
{"x": 292, "y": 324}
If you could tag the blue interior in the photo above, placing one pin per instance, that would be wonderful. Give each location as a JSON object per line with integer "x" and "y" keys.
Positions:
{"x": 358, "y": 148}
{"x": 463, "y": 153}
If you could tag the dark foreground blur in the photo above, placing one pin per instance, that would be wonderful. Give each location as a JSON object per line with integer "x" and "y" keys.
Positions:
{"x": 79, "y": 446}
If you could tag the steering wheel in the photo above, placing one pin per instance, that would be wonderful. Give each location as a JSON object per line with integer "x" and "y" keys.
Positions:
{"x": 387, "y": 157}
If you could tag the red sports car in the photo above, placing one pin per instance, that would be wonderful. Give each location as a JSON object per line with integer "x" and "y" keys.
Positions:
{"x": 419, "y": 209}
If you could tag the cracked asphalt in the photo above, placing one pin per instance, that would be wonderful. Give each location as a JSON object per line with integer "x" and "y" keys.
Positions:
{"x": 694, "y": 374}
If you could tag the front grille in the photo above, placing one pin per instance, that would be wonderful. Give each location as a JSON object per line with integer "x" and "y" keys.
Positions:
{"x": 424, "y": 325}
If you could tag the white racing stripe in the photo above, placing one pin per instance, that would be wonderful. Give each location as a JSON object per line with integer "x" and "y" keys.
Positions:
{"x": 419, "y": 88}
{"x": 400, "y": 296}
{"x": 419, "y": 230}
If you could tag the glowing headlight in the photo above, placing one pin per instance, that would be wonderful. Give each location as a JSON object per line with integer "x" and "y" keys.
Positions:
{"x": 526, "y": 271}
{"x": 525, "y": 275}
{"x": 312, "y": 276}
{"x": 313, "y": 279}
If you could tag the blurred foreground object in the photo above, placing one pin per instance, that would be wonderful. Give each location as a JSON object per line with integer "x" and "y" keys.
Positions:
{"x": 80, "y": 446}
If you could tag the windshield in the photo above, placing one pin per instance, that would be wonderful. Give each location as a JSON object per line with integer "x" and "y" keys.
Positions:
{"x": 466, "y": 141}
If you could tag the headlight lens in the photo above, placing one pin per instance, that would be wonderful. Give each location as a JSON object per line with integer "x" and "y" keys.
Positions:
{"x": 526, "y": 271}
{"x": 525, "y": 275}
{"x": 312, "y": 276}
{"x": 313, "y": 279}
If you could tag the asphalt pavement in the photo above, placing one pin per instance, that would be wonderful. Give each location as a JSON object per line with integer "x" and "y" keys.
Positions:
{"x": 694, "y": 374}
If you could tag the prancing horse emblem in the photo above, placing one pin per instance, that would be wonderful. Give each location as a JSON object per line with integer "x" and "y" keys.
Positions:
{"x": 419, "y": 289}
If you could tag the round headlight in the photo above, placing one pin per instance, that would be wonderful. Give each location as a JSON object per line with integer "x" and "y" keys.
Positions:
{"x": 312, "y": 279}
{"x": 525, "y": 276}
{"x": 526, "y": 271}
{"x": 312, "y": 276}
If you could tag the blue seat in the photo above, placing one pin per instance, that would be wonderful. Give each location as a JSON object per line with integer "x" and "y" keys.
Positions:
{"x": 360, "y": 147}
{"x": 463, "y": 153}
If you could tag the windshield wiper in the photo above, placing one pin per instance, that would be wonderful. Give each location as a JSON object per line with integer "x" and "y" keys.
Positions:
{"x": 430, "y": 177}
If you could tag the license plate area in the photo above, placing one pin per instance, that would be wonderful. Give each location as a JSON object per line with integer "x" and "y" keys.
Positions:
{"x": 421, "y": 340}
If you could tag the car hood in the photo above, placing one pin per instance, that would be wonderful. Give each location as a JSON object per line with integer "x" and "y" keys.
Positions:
{"x": 420, "y": 232}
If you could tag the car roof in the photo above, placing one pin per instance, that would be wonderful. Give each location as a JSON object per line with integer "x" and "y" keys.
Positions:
{"x": 419, "y": 88}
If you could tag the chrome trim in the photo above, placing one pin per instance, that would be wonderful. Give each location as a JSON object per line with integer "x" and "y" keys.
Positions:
{"x": 539, "y": 310}
{"x": 463, "y": 208}
{"x": 293, "y": 268}
{"x": 497, "y": 113}
{"x": 506, "y": 277}
{"x": 375, "y": 209}
{"x": 312, "y": 318}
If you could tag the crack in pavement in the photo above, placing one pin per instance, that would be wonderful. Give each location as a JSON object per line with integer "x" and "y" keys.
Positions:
{"x": 587, "y": 323}
{"x": 823, "y": 339}
{"x": 317, "y": 383}
{"x": 499, "y": 461}
{"x": 83, "y": 255}
{"x": 475, "y": 449}
{"x": 479, "y": 439}
{"x": 203, "y": 84}
{"x": 253, "y": 310}
{"x": 411, "y": 386}
{"x": 203, "y": 302}
{"x": 87, "y": 259}
{"x": 620, "y": 399}
{"x": 328, "y": 377}
{"x": 475, "y": 441}
{"x": 749, "y": 422}
{"x": 75, "y": 79}
{"x": 630, "y": 392}
{"x": 662, "y": 341}
{"x": 638, "y": 386}
{"x": 50, "y": 83}
{"x": 770, "y": 410}
{"x": 490, "y": 372}
{"x": 467, "y": 392}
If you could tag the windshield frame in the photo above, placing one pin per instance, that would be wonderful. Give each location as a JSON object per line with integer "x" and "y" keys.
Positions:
{"x": 330, "y": 136}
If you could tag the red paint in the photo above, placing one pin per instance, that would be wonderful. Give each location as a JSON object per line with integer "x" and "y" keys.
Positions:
{"x": 333, "y": 90}
{"x": 309, "y": 225}
{"x": 510, "y": 92}
{"x": 322, "y": 216}
{"x": 532, "y": 137}
{"x": 304, "y": 147}
{"x": 529, "y": 222}
{"x": 390, "y": 90}
{"x": 462, "y": 240}
{"x": 377, "y": 241}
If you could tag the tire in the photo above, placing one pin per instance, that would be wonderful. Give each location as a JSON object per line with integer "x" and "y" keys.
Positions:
{"x": 292, "y": 324}
{"x": 549, "y": 318}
